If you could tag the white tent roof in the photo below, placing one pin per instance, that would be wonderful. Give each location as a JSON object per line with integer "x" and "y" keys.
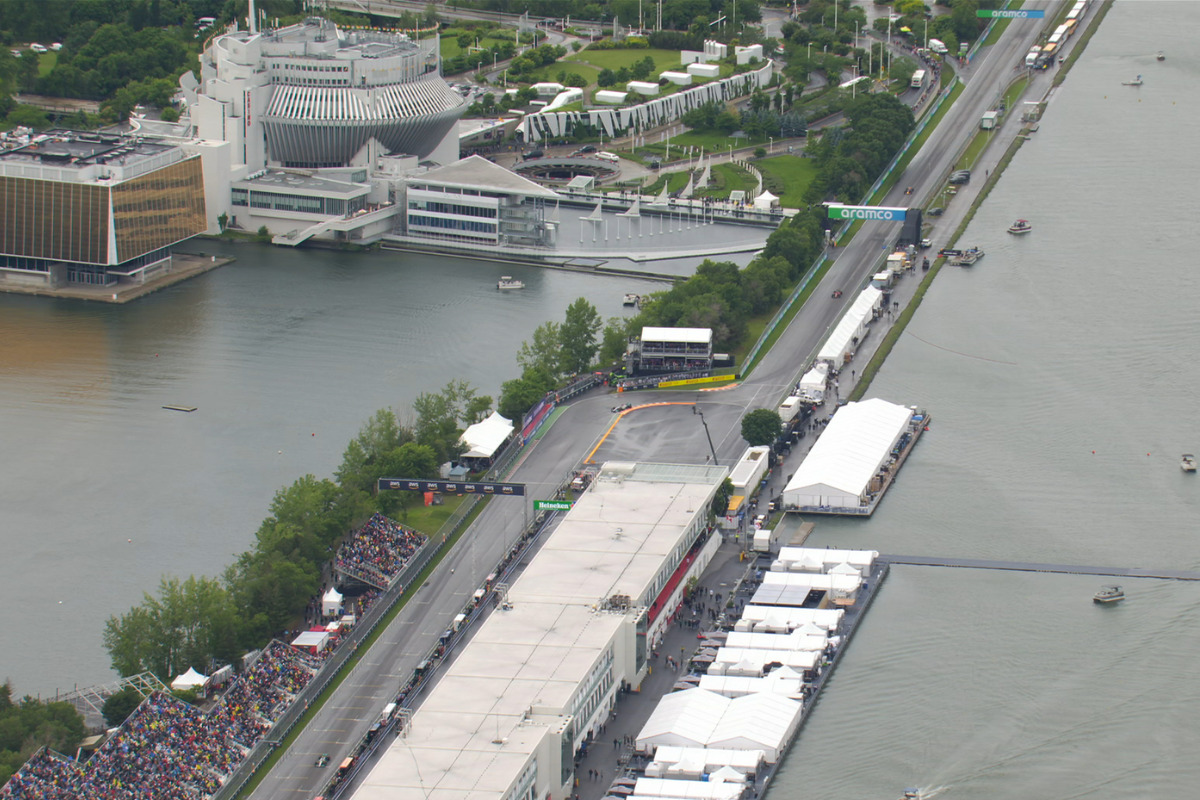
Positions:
{"x": 852, "y": 448}
{"x": 484, "y": 438}
{"x": 851, "y": 325}
{"x": 813, "y": 559}
{"x": 333, "y": 595}
{"x": 692, "y": 790}
{"x": 700, "y": 718}
{"x": 189, "y": 680}
{"x": 701, "y": 759}
{"x": 766, "y": 200}
{"x": 743, "y": 685}
{"x": 774, "y": 641}
{"x": 730, "y": 660}
{"x": 686, "y": 335}
{"x": 787, "y": 619}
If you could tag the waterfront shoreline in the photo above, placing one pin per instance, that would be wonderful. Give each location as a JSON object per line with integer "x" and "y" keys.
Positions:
{"x": 184, "y": 266}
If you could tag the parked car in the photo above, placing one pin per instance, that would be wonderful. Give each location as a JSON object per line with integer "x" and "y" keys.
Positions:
{"x": 960, "y": 177}
{"x": 534, "y": 154}
{"x": 587, "y": 148}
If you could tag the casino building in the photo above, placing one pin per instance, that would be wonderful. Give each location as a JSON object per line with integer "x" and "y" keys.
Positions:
{"x": 318, "y": 123}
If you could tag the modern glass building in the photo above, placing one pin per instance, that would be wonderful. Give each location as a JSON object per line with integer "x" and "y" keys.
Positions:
{"x": 95, "y": 208}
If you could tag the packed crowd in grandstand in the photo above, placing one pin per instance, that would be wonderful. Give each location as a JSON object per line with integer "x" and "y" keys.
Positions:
{"x": 168, "y": 749}
{"x": 381, "y": 547}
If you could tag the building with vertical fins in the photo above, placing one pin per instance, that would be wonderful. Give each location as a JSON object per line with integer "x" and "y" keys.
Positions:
{"x": 309, "y": 113}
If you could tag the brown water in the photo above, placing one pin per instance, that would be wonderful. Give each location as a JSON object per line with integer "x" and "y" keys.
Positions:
{"x": 284, "y": 352}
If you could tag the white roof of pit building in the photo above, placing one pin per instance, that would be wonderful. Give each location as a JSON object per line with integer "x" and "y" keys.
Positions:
{"x": 853, "y": 446}
{"x": 484, "y": 438}
{"x": 536, "y": 654}
{"x": 686, "y": 335}
{"x": 787, "y": 619}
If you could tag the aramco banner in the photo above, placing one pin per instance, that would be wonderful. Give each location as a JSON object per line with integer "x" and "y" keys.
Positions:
{"x": 1017, "y": 13}
{"x": 867, "y": 212}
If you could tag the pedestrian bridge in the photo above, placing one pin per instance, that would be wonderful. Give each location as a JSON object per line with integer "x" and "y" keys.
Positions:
{"x": 1067, "y": 569}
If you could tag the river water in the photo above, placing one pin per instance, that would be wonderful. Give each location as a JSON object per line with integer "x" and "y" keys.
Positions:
{"x": 285, "y": 353}
{"x": 1062, "y": 376}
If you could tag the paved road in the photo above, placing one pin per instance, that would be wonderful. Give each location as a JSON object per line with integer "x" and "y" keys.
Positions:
{"x": 660, "y": 433}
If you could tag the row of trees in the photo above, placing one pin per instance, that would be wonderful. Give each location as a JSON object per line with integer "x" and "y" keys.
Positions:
{"x": 28, "y": 725}
{"x": 556, "y": 351}
{"x": 204, "y": 622}
{"x": 638, "y": 71}
{"x": 677, "y": 14}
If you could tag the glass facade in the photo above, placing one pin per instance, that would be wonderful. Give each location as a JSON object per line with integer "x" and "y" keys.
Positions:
{"x": 159, "y": 209}
{"x": 54, "y": 221}
{"x": 453, "y": 225}
{"x": 257, "y": 198}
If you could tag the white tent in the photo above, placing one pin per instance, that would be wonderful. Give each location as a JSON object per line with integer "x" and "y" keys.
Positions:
{"x": 691, "y": 790}
{"x": 814, "y": 381}
{"x": 748, "y": 661}
{"x": 484, "y": 438}
{"x": 759, "y": 721}
{"x": 331, "y": 603}
{"x": 741, "y": 686}
{"x": 766, "y": 201}
{"x": 693, "y": 762}
{"x": 812, "y": 559}
{"x": 774, "y": 641}
{"x": 189, "y": 680}
{"x": 700, "y": 718}
{"x": 780, "y": 620}
{"x": 837, "y": 472}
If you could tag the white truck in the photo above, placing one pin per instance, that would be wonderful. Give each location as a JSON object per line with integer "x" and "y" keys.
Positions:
{"x": 1032, "y": 56}
{"x": 789, "y": 409}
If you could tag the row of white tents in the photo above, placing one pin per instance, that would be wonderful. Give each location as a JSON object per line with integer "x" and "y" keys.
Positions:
{"x": 709, "y": 740}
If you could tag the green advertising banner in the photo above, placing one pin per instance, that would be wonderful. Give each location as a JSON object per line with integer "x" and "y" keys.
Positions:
{"x": 1018, "y": 13}
{"x": 551, "y": 505}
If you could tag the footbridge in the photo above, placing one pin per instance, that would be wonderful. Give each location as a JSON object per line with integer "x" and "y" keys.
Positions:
{"x": 1066, "y": 569}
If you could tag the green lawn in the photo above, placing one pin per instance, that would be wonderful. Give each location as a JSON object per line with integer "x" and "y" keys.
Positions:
{"x": 448, "y": 42}
{"x": 615, "y": 59}
{"x": 1014, "y": 94}
{"x": 728, "y": 178}
{"x": 429, "y": 519}
{"x": 46, "y": 62}
{"x": 674, "y": 181}
{"x": 792, "y": 174}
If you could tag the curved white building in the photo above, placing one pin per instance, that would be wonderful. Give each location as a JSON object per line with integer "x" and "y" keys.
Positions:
{"x": 312, "y": 96}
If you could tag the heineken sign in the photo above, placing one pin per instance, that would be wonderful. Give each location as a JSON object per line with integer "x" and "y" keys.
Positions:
{"x": 868, "y": 212}
{"x": 551, "y": 505}
{"x": 1019, "y": 13}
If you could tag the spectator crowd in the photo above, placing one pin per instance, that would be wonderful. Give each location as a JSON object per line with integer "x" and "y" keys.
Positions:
{"x": 170, "y": 750}
{"x": 379, "y": 548}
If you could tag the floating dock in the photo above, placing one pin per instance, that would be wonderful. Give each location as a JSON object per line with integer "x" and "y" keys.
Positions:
{"x": 188, "y": 409}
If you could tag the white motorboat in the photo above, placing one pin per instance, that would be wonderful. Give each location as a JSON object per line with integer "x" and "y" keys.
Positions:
{"x": 1020, "y": 226}
{"x": 631, "y": 299}
{"x": 509, "y": 282}
{"x": 1188, "y": 462}
{"x": 1135, "y": 82}
{"x": 1109, "y": 594}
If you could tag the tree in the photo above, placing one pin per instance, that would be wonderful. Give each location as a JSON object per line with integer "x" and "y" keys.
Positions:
{"x": 615, "y": 340}
{"x": 477, "y": 409}
{"x": 606, "y": 77}
{"x": 410, "y": 461}
{"x": 120, "y": 705}
{"x": 761, "y": 427}
{"x": 263, "y": 235}
{"x": 720, "y": 501}
{"x": 542, "y": 353}
{"x": 189, "y": 623}
{"x": 577, "y": 337}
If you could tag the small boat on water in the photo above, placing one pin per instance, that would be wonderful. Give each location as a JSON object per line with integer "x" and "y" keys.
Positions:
{"x": 509, "y": 282}
{"x": 1161, "y": 56}
{"x": 631, "y": 299}
{"x": 1109, "y": 594}
{"x": 1020, "y": 226}
{"x": 968, "y": 257}
{"x": 1188, "y": 462}
{"x": 1135, "y": 82}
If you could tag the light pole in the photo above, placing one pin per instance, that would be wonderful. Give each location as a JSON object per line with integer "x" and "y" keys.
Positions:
{"x": 696, "y": 410}
{"x": 771, "y": 144}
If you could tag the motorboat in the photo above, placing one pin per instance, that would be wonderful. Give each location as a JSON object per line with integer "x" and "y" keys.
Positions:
{"x": 631, "y": 299}
{"x": 968, "y": 257}
{"x": 1188, "y": 462}
{"x": 1109, "y": 594}
{"x": 509, "y": 282}
{"x": 1161, "y": 56}
{"x": 1020, "y": 226}
{"x": 1135, "y": 82}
